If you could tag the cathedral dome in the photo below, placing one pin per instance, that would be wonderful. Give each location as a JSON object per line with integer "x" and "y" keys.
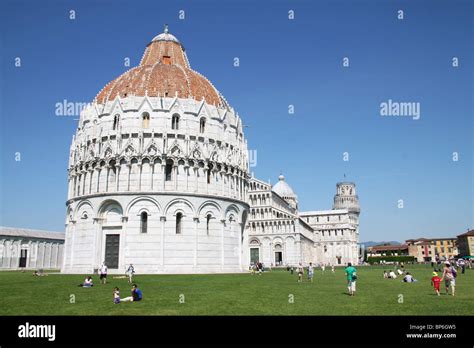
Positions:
{"x": 163, "y": 71}
{"x": 283, "y": 189}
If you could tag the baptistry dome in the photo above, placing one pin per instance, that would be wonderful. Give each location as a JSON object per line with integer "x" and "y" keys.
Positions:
{"x": 164, "y": 70}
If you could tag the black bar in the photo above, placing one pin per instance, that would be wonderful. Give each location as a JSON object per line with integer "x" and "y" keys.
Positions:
{"x": 381, "y": 331}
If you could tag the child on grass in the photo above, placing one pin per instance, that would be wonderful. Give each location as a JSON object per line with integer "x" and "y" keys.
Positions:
{"x": 116, "y": 295}
{"x": 436, "y": 281}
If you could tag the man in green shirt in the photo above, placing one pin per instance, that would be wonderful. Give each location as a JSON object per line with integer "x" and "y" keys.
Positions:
{"x": 351, "y": 279}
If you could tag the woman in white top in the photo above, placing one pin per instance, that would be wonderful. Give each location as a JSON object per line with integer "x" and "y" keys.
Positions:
{"x": 448, "y": 277}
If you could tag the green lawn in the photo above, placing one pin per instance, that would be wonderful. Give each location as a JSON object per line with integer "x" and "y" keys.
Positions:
{"x": 237, "y": 294}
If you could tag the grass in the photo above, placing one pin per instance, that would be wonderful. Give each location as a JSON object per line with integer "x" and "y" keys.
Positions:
{"x": 237, "y": 294}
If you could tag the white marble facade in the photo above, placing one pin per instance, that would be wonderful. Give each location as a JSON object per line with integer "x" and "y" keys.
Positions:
{"x": 30, "y": 249}
{"x": 161, "y": 180}
{"x": 280, "y": 235}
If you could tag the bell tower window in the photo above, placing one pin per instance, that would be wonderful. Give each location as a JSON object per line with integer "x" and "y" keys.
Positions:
{"x": 202, "y": 125}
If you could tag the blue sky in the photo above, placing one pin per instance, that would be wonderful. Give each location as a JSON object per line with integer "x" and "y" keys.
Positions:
{"x": 282, "y": 62}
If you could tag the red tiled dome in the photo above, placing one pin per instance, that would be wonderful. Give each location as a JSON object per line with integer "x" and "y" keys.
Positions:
{"x": 163, "y": 71}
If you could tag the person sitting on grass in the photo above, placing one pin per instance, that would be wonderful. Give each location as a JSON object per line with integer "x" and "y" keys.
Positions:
{"x": 392, "y": 275}
{"x": 39, "y": 274}
{"x": 385, "y": 274}
{"x": 136, "y": 295}
{"x": 116, "y": 295}
{"x": 87, "y": 282}
{"x": 409, "y": 278}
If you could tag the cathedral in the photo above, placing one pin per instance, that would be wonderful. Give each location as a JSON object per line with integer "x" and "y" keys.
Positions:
{"x": 158, "y": 177}
{"x": 280, "y": 235}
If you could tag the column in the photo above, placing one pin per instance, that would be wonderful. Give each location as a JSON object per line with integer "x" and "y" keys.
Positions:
{"x": 98, "y": 179}
{"x": 222, "y": 242}
{"x": 123, "y": 242}
{"x": 129, "y": 166}
{"x": 29, "y": 254}
{"x": 44, "y": 254}
{"x": 186, "y": 169}
{"x": 163, "y": 222}
{"x": 175, "y": 169}
{"x": 140, "y": 170}
{"x": 84, "y": 181}
{"x": 98, "y": 242}
{"x": 240, "y": 235}
{"x": 222, "y": 181}
{"x": 91, "y": 174}
{"x": 152, "y": 170}
{"x": 196, "y": 170}
{"x": 163, "y": 174}
{"x": 206, "y": 173}
{"x": 71, "y": 245}
{"x": 74, "y": 186}
{"x": 196, "y": 229}
{"x": 2, "y": 252}
{"x": 117, "y": 176}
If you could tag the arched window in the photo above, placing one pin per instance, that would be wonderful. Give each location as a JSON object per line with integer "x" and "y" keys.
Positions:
{"x": 116, "y": 122}
{"x": 202, "y": 125}
{"x": 175, "y": 122}
{"x": 208, "y": 220}
{"x": 179, "y": 217}
{"x": 145, "y": 120}
{"x": 168, "y": 170}
{"x": 143, "y": 222}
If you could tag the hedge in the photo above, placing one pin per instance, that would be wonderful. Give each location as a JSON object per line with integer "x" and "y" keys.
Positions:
{"x": 377, "y": 259}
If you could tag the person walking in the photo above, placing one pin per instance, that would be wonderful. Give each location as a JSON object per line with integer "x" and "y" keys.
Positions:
{"x": 435, "y": 281}
{"x": 351, "y": 278}
{"x": 300, "y": 273}
{"x": 449, "y": 277}
{"x": 103, "y": 273}
{"x": 130, "y": 272}
{"x": 310, "y": 272}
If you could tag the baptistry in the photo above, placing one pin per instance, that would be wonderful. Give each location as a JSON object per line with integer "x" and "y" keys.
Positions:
{"x": 158, "y": 173}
